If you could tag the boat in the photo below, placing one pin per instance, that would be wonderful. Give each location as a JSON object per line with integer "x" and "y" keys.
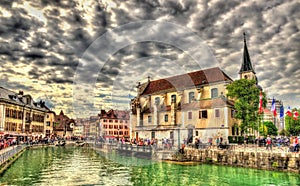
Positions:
{"x": 61, "y": 143}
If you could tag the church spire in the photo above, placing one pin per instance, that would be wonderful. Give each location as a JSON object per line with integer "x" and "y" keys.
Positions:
{"x": 246, "y": 65}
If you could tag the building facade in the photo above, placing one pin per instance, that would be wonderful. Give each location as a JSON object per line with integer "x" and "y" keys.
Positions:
{"x": 50, "y": 121}
{"x": 63, "y": 126}
{"x": 78, "y": 130}
{"x": 114, "y": 124}
{"x": 20, "y": 115}
{"x": 184, "y": 107}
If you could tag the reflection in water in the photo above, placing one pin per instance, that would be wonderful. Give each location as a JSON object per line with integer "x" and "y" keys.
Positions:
{"x": 84, "y": 166}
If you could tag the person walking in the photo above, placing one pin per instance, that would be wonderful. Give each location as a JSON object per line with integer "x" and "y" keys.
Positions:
{"x": 269, "y": 143}
{"x": 295, "y": 144}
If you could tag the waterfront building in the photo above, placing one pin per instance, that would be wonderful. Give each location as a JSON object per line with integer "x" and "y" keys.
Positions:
{"x": 78, "y": 129}
{"x": 50, "y": 121}
{"x": 114, "y": 124}
{"x": 20, "y": 115}
{"x": 93, "y": 123}
{"x": 63, "y": 125}
{"x": 187, "y": 106}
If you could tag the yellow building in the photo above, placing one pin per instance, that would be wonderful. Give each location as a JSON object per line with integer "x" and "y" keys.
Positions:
{"x": 50, "y": 121}
{"x": 187, "y": 106}
{"x": 20, "y": 115}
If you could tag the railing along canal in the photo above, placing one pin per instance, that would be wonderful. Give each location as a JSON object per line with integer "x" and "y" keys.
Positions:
{"x": 10, "y": 152}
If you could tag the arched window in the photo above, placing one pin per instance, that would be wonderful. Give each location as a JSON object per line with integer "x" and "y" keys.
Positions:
{"x": 191, "y": 96}
{"x": 214, "y": 92}
{"x": 173, "y": 99}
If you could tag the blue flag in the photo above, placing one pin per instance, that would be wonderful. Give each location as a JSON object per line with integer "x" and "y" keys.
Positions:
{"x": 281, "y": 111}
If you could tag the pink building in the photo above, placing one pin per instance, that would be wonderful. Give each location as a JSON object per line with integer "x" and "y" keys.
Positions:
{"x": 114, "y": 124}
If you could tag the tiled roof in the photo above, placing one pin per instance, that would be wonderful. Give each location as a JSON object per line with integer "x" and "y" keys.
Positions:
{"x": 191, "y": 79}
{"x": 114, "y": 114}
{"x": 20, "y": 99}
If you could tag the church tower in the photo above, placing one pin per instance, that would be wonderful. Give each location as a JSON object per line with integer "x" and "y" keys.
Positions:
{"x": 247, "y": 71}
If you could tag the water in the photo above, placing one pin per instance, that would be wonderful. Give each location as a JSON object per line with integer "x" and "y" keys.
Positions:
{"x": 62, "y": 166}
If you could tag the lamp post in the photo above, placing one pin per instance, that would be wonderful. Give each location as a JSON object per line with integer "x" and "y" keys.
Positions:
{"x": 118, "y": 133}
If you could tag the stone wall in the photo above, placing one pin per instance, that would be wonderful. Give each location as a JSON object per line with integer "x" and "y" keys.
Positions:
{"x": 258, "y": 160}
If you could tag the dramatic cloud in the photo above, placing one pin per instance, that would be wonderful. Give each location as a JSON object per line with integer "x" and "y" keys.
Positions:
{"x": 49, "y": 48}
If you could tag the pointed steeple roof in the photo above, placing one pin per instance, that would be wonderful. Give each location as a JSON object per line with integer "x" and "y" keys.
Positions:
{"x": 246, "y": 65}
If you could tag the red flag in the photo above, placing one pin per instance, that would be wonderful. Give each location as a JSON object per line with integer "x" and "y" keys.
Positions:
{"x": 260, "y": 109}
{"x": 288, "y": 112}
{"x": 296, "y": 114}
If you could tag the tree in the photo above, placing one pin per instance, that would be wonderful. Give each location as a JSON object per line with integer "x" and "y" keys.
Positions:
{"x": 292, "y": 124}
{"x": 268, "y": 128}
{"x": 246, "y": 96}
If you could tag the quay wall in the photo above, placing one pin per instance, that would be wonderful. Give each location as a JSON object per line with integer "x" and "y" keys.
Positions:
{"x": 266, "y": 160}
{"x": 10, "y": 155}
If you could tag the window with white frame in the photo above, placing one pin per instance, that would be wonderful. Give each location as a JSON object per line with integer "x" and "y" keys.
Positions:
{"x": 214, "y": 93}
{"x": 191, "y": 96}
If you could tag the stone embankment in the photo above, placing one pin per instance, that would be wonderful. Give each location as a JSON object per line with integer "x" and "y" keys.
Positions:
{"x": 9, "y": 155}
{"x": 257, "y": 159}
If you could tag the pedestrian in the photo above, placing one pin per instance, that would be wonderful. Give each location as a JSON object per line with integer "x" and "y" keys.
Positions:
{"x": 269, "y": 143}
{"x": 295, "y": 144}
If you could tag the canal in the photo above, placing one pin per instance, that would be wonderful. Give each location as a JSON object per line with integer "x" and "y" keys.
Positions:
{"x": 84, "y": 166}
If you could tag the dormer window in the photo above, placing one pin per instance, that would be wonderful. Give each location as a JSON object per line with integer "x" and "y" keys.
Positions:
{"x": 27, "y": 100}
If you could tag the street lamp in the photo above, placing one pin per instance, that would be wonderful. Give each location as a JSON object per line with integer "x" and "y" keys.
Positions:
{"x": 118, "y": 133}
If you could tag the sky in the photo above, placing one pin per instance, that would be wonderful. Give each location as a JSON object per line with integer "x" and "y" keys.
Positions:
{"x": 83, "y": 56}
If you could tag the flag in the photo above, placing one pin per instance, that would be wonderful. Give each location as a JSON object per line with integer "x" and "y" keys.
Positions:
{"x": 260, "y": 109}
{"x": 288, "y": 112}
{"x": 281, "y": 111}
{"x": 273, "y": 108}
{"x": 296, "y": 114}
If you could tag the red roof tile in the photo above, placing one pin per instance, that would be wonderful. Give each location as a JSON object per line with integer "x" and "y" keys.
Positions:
{"x": 186, "y": 80}
{"x": 114, "y": 114}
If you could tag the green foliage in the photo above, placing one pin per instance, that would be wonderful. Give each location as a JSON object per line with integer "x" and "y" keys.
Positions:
{"x": 246, "y": 96}
{"x": 292, "y": 126}
{"x": 275, "y": 164}
{"x": 268, "y": 128}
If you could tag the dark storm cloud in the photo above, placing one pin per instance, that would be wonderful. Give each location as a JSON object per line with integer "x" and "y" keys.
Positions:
{"x": 58, "y": 80}
{"x": 59, "y": 3}
{"x": 5, "y": 49}
{"x": 6, "y": 3}
{"x": 34, "y": 74}
{"x": 34, "y": 55}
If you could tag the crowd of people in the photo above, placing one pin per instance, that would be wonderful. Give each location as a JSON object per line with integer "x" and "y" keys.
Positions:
{"x": 6, "y": 142}
{"x": 280, "y": 142}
